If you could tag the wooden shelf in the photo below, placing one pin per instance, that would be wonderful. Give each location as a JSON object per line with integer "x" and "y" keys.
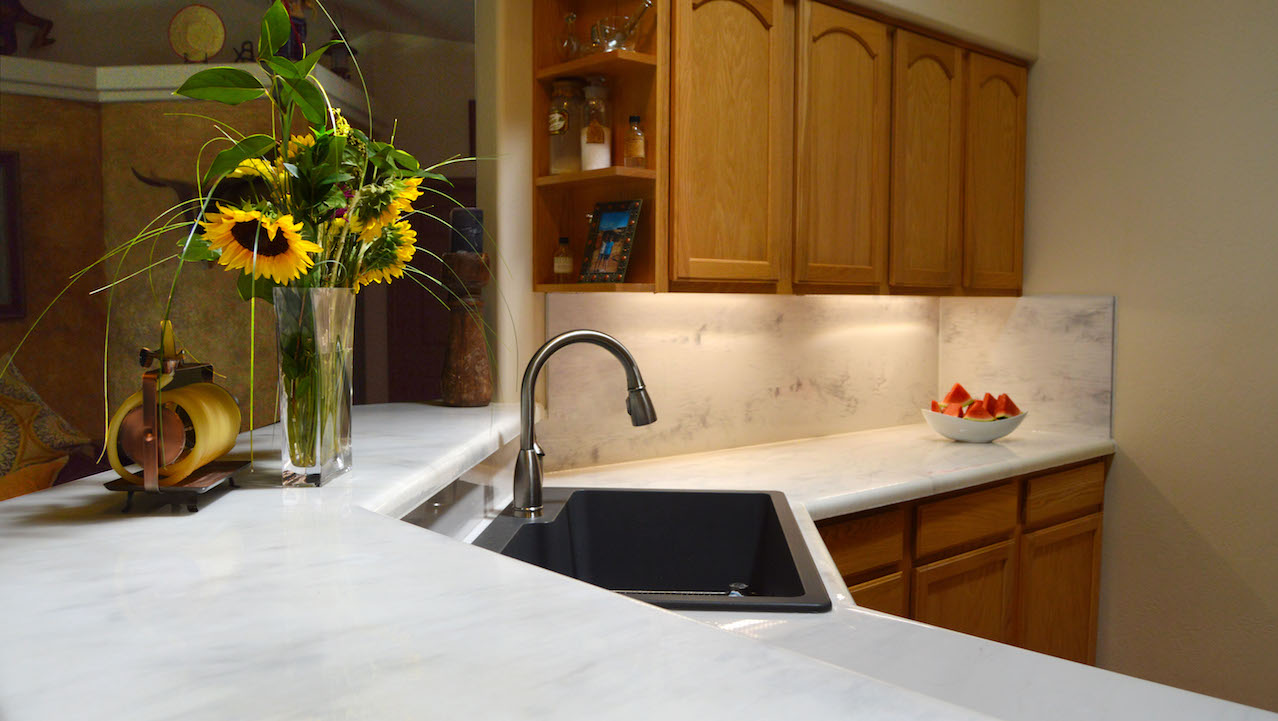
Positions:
{"x": 615, "y": 63}
{"x": 595, "y": 287}
{"x": 637, "y": 82}
{"x": 615, "y": 172}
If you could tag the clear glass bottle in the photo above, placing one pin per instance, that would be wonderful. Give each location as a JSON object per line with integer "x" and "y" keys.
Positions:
{"x": 567, "y": 43}
{"x": 564, "y": 126}
{"x": 563, "y": 262}
{"x": 635, "y": 150}
{"x": 596, "y": 128}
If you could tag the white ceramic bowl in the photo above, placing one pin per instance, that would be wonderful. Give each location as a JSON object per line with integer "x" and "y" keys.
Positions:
{"x": 961, "y": 429}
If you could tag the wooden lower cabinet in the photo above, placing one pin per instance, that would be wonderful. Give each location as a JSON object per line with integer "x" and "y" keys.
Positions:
{"x": 886, "y": 594}
{"x": 1060, "y": 581}
{"x": 1015, "y": 561}
{"x": 972, "y": 592}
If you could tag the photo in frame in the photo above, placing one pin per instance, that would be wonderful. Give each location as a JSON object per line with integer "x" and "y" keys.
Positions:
{"x": 608, "y": 246}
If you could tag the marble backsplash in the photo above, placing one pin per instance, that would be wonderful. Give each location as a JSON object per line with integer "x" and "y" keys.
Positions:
{"x": 1054, "y": 355}
{"x": 734, "y": 370}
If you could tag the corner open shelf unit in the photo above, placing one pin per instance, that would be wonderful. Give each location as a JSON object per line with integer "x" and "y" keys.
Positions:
{"x": 638, "y": 82}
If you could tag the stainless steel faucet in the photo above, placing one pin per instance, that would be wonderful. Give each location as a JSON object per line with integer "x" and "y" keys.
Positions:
{"x": 528, "y": 474}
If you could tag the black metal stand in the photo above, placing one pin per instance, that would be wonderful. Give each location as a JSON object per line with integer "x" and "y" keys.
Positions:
{"x": 187, "y": 491}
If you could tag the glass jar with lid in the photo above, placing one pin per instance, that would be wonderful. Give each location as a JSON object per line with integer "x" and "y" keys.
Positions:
{"x": 596, "y": 127}
{"x": 564, "y": 126}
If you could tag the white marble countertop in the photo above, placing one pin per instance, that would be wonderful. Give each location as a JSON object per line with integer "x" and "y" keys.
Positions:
{"x": 276, "y": 603}
{"x": 850, "y": 472}
{"x": 835, "y": 475}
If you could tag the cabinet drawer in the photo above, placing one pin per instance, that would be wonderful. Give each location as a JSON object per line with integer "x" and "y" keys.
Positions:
{"x": 864, "y": 543}
{"x": 965, "y": 519}
{"x": 1057, "y": 496}
{"x": 886, "y": 594}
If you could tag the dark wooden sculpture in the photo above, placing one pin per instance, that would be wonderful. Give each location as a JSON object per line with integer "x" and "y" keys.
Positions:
{"x": 468, "y": 378}
{"x": 11, "y": 15}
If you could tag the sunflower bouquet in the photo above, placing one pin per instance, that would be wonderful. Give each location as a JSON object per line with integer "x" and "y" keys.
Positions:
{"x": 323, "y": 209}
{"x": 306, "y": 216}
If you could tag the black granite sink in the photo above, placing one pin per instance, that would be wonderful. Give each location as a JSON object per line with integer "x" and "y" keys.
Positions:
{"x": 691, "y": 550}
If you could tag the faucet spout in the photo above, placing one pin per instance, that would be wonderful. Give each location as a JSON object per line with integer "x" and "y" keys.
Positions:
{"x": 528, "y": 472}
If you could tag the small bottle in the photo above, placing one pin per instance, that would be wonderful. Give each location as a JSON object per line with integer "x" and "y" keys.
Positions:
{"x": 635, "y": 151}
{"x": 596, "y": 129}
{"x": 563, "y": 262}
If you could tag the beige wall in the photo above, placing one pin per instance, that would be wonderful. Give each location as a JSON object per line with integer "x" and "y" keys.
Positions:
{"x": 1007, "y": 25}
{"x": 59, "y": 149}
{"x": 503, "y": 98}
{"x": 1153, "y": 176}
{"x": 427, "y": 85}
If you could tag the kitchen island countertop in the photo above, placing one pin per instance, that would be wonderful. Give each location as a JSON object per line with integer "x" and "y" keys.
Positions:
{"x": 317, "y": 603}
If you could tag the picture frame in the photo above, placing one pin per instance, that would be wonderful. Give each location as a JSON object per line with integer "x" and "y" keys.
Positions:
{"x": 11, "y": 291}
{"x": 610, "y": 241}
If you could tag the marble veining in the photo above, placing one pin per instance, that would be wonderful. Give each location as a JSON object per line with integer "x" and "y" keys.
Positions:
{"x": 734, "y": 370}
{"x": 1054, "y": 355}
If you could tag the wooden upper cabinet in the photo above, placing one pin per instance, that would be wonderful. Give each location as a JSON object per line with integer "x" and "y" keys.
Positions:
{"x": 927, "y": 135}
{"x": 994, "y": 191}
{"x": 841, "y": 178}
{"x": 729, "y": 157}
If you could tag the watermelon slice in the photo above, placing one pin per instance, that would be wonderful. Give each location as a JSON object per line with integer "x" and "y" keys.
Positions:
{"x": 957, "y": 395}
{"x": 1005, "y": 408}
{"x": 937, "y": 407}
{"x": 954, "y": 409}
{"x": 989, "y": 402}
{"x": 978, "y": 412}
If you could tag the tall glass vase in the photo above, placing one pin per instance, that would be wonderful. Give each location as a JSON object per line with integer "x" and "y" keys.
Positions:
{"x": 314, "y": 328}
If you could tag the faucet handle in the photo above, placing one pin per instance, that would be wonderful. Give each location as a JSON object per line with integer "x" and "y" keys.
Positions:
{"x": 537, "y": 449}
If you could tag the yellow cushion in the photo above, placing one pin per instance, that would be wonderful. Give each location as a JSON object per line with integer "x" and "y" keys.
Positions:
{"x": 31, "y": 478}
{"x": 30, "y": 431}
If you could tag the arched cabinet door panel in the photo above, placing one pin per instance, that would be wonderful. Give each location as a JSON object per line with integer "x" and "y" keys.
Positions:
{"x": 841, "y": 177}
{"x": 728, "y": 155}
{"x": 927, "y": 136}
{"x": 994, "y": 193}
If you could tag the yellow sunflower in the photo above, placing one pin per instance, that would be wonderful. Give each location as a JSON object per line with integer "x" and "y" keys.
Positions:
{"x": 253, "y": 167}
{"x": 297, "y": 142}
{"x": 380, "y": 206}
{"x": 281, "y": 253}
{"x": 387, "y": 255}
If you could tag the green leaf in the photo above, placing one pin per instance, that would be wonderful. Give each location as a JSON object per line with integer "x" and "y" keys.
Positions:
{"x": 404, "y": 160}
{"x": 229, "y": 86}
{"x": 283, "y": 67}
{"x": 253, "y": 146}
{"x": 260, "y": 288}
{"x": 431, "y": 176}
{"x": 308, "y": 62}
{"x": 336, "y": 178}
{"x": 197, "y": 250}
{"x": 306, "y": 97}
{"x": 275, "y": 30}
